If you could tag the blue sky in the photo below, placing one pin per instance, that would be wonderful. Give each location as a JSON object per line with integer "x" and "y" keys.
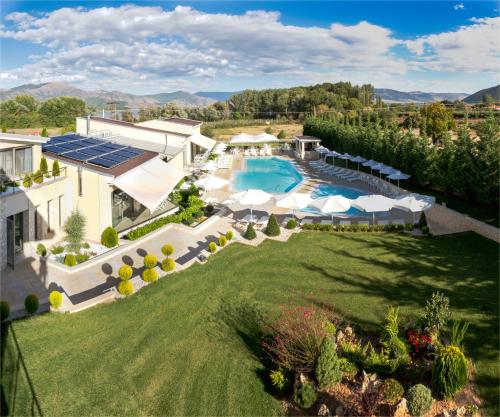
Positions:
{"x": 148, "y": 47}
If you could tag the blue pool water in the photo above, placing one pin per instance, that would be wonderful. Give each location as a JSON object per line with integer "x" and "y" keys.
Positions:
{"x": 324, "y": 190}
{"x": 272, "y": 175}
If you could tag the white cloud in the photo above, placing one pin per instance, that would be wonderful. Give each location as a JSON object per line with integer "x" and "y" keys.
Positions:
{"x": 459, "y": 6}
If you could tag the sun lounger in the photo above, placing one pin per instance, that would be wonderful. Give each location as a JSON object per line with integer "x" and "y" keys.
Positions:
{"x": 383, "y": 222}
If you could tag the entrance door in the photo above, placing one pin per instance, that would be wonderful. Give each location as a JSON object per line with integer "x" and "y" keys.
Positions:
{"x": 18, "y": 233}
{"x": 10, "y": 241}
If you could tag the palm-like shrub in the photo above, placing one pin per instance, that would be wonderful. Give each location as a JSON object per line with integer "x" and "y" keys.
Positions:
{"x": 125, "y": 272}
{"x": 150, "y": 261}
{"x": 55, "y": 299}
{"x": 273, "y": 228}
{"x": 109, "y": 237}
{"x": 280, "y": 379}
{"x": 125, "y": 288}
{"x": 70, "y": 260}
{"x": 419, "y": 400}
{"x": 250, "y": 232}
{"x": 437, "y": 311}
{"x": 75, "y": 230}
{"x": 44, "y": 168}
{"x": 168, "y": 264}
{"x": 222, "y": 241}
{"x": 305, "y": 395}
{"x": 212, "y": 247}
{"x": 149, "y": 275}
{"x": 450, "y": 371}
{"x": 31, "y": 303}
{"x": 328, "y": 371}
{"x": 167, "y": 249}
{"x": 392, "y": 391}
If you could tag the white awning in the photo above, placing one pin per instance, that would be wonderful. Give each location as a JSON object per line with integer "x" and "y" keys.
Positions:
{"x": 203, "y": 141}
{"x": 150, "y": 183}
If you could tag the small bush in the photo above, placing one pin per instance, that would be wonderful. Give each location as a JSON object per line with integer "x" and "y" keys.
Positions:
{"x": 109, "y": 237}
{"x": 281, "y": 134}
{"x": 212, "y": 247}
{"x": 70, "y": 260}
{"x": 229, "y": 234}
{"x": 189, "y": 220}
{"x": 198, "y": 215}
{"x": 125, "y": 288}
{"x": 37, "y": 177}
{"x": 250, "y": 232}
{"x": 450, "y": 371}
{"x": 27, "y": 181}
{"x": 330, "y": 328}
{"x": 41, "y": 249}
{"x": 56, "y": 250}
{"x": 149, "y": 275}
{"x": 4, "y": 310}
{"x": 458, "y": 332}
{"x": 268, "y": 130}
{"x": 86, "y": 245}
{"x": 75, "y": 230}
{"x": 82, "y": 257}
{"x": 280, "y": 380}
{"x": 222, "y": 241}
{"x": 167, "y": 249}
{"x": 291, "y": 224}
{"x": 31, "y": 304}
{"x": 409, "y": 227}
{"x": 55, "y": 299}
{"x": 168, "y": 264}
{"x": 328, "y": 371}
{"x": 425, "y": 230}
{"x": 347, "y": 368}
{"x": 150, "y": 261}
{"x": 209, "y": 208}
{"x": 44, "y": 168}
{"x": 56, "y": 171}
{"x": 392, "y": 391}
{"x": 419, "y": 400}
{"x": 437, "y": 311}
{"x": 125, "y": 272}
{"x": 273, "y": 228}
{"x": 305, "y": 395}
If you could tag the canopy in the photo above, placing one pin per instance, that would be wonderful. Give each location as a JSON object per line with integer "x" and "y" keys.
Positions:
{"x": 373, "y": 203}
{"x": 149, "y": 183}
{"x": 209, "y": 166}
{"x": 378, "y": 166}
{"x": 251, "y": 197}
{"x": 265, "y": 137}
{"x": 331, "y": 204}
{"x": 295, "y": 201}
{"x": 332, "y": 153}
{"x": 202, "y": 141}
{"x": 358, "y": 159}
{"x": 387, "y": 170}
{"x": 261, "y": 138}
{"x": 411, "y": 203}
{"x": 398, "y": 175}
{"x": 242, "y": 138}
{"x": 322, "y": 149}
{"x": 211, "y": 183}
{"x": 344, "y": 156}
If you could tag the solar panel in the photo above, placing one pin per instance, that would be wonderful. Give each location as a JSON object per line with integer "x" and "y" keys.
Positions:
{"x": 116, "y": 158}
{"x": 89, "y": 141}
{"x": 56, "y": 149}
{"x": 90, "y": 151}
{"x": 79, "y": 156}
{"x": 103, "y": 162}
{"x": 125, "y": 153}
{"x": 135, "y": 151}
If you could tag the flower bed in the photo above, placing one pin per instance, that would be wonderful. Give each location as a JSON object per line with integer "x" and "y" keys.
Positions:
{"x": 89, "y": 250}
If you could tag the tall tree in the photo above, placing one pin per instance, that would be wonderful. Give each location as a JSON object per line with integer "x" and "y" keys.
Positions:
{"x": 436, "y": 121}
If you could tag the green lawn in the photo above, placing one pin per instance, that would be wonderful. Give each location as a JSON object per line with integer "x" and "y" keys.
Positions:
{"x": 186, "y": 345}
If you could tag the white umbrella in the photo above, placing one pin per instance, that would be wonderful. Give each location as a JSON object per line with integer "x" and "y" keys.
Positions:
{"x": 332, "y": 154}
{"x": 251, "y": 197}
{"x": 345, "y": 156}
{"x": 265, "y": 137}
{"x": 398, "y": 175}
{"x": 358, "y": 159}
{"x": 294, "y": 201}
{"x": 211, "y": 183}
{"x": 331, "y": 204}
{"x": 387, "y": 170}
{"x": 373, "y": 203}
{"x": 412, "y": 204}
{"x": 243, "y": 138}
{"x": 209, "y": 166}
{"x": 370, "y": 164}
{"x": 378, "y": 167}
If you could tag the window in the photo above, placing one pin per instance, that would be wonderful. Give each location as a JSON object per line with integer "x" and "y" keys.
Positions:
{"x": 23, "y": 158}
{"x": 60, "y": 211}
{"x": 6, "y": 162}
{"x": 80, "y": 191}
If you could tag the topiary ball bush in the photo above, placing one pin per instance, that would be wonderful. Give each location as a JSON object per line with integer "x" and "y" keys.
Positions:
{"x": 125, "y": 272}
{"x": 250, "y": 232}
{"x": 168, "y": 264}
{"x": 70, "y": 260}
{"x": 126, "y": 288}
{"x": 209, "y": 208}
{"x": 273, "y": 228}
{"x": 419, "y": 400}
{"x": 167, "y": 249}
{"x": 305, "y": 395}
{"x": 328, "y": 371}
{"x": 291, "y": 224}
{"x": 109, "y": 237}
{"x": 392, "y": 391}
{"x": 149, "y": 275}
{"x": 212, "y": 247}
{"x": 222, "y": 241}
{"x": 86, "y": 245}
{"x": 31, "y": 303}
{"x": 4, "y": 310}
{"x": 150, "y": 261}
{"x": 41, "y": 249}
{"x": 450, "y": 371}
{"x": 55, "y": 299}
{"x": 229, "y": 234}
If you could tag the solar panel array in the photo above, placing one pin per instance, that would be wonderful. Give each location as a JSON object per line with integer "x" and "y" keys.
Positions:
{"x": 93, "y": 151}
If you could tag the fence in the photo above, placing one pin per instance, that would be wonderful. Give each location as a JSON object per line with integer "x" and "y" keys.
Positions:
{"x": 18, "y": 396}
{"x": 11, "y": 185}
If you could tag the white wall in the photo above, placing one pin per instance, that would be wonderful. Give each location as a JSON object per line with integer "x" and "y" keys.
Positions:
{"x": 170, "y": 126}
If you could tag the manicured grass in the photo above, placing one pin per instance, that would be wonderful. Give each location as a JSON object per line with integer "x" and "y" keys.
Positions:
{"x": 186, "y": 344}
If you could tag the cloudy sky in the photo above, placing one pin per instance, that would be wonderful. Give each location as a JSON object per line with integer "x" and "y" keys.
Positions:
{"x": 147, "y": 47}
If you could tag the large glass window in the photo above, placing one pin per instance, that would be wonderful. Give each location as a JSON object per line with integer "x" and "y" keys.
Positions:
{"x": 6, "y": 163}
{"x": 24, "y": 161}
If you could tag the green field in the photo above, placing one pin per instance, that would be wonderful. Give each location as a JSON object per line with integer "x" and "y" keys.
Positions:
{"x": 187, "y": 346}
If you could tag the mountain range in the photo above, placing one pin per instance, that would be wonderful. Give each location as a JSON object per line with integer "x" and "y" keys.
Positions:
{"x": 100, "y": 98}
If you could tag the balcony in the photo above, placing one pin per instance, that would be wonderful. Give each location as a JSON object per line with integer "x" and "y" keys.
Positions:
{"x": 26, "y": 183}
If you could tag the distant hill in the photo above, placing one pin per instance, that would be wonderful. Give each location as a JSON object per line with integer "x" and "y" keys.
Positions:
{"x": 99, "y": 98}
{"x": 478, "y": 96}
{"x": 394, "y": 96}
{"x": 216, "y": 95}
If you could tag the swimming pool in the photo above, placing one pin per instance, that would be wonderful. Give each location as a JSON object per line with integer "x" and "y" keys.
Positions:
{"x": 324, "y": 190}
{"x": 273, "y": 175}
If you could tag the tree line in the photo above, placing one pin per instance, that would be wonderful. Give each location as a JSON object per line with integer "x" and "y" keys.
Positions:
{"x": 466, "y": 167}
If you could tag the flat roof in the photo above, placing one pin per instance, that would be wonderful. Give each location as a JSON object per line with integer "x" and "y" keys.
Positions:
{"x": 183, "y": 121}
{"x": 23, "y": 138}
{"x": 159, "y": 148}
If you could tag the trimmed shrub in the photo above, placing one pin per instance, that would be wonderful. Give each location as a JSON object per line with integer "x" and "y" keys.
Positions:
{"x": 328, "y": 371}
{"x": 392, "y": 391}
{"x": 280, "y": 379}
{"x": 229, "y": 234}
{"x": 82, "y": 257}
{"x": 212, "y": 247}
{"x": 419, "y": 400}
{"x": 27, "y": 181}
{"x": 149, "y": 275}
{"x": 75, "y": 230}
{"x": 125, "y": 272}
{"x": 450, "y": 371}
{"x": 44, "y": 168}
{"x": 167, "y": 249}
{"x": 437, "y": 311}
{"x": 31, "y": 304}
{"x": 250, "y": 232}
{"x": 150, "y": 261}
{"x": 56, "y": 171}
{"x": 291, "y": 224}
{"x": 281, "y": 134}
{"x": 168, "y": 264}
{"x": 305, "y": 395}
{"x": 55, "y": 299}
{"x": 41, "y": 249}
{"x": 4, "y": 310}
{"x": 209, "y": 208}
{"x": 56, "y": 250}
{"x": 109, "y": 237}
{"x": 44, "y": 134}
{"x": 222, "y": 241}
{"x": 126, "y": 288}
{"x": 273, "y": 228}
{"x": 37, "y": 177}
{"x": 86, "y": 245}
{"x": 70, "y": 260}
{"x": 330, "y": 328}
